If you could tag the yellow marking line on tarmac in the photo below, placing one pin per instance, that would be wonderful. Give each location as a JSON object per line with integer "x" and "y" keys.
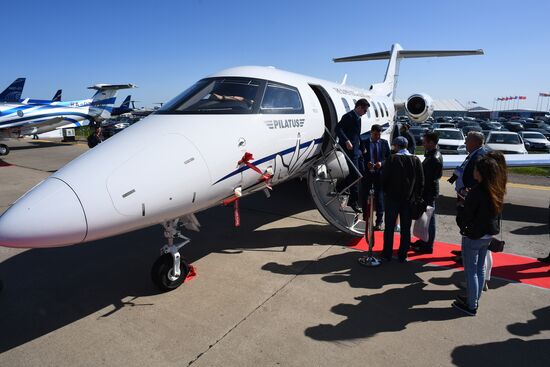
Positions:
{"x": 520, "y": 186}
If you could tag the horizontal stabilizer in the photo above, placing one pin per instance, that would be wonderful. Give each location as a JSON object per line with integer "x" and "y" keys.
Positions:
{"x": 408, "y": 54}
{"x": 112, "y": 86}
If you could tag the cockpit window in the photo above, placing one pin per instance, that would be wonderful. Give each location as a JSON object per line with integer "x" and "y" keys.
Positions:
{"x": 217, "y": 95}
{"x": 280, "y": 98}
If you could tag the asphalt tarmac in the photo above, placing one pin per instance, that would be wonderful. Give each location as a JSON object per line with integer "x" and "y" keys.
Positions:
{"x": 281, "y": 290}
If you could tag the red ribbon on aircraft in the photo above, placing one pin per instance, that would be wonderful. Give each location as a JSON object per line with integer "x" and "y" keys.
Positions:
{"x": 247, "y": 157}
{"x": 237, "y": 214}
{"x": 264, "y": 177}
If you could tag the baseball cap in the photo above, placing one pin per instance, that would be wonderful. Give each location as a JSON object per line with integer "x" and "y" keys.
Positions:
{"x": 400, "y": 141}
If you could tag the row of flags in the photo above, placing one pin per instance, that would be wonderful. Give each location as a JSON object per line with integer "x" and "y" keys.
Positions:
{"x": 544, "y": 94}
{"x": 512, "y": 98}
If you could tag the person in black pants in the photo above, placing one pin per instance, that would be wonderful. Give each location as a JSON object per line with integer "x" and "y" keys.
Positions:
{"x": 348, "y": 131}
{"x": 432, "y": 166}
{"x": 402, "y": 180}
{"x": 376, "y": 152}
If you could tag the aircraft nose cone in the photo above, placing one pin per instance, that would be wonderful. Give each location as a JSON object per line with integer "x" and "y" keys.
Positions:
{"x": 49, "y": 215}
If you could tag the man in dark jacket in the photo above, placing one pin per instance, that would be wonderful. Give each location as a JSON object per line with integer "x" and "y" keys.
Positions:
{"x": 432, "y": 166}
{"x": 348, "y": 131}
{"x": 402, "y": 180}
{"x": 411, "y": 142}
{"x": 376, "y": 152}
{"x": 465, "y": 173}
{"x": 96, "y": 137}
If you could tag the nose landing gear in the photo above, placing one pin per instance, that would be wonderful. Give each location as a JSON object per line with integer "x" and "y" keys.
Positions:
{"x": 170, "y": 270}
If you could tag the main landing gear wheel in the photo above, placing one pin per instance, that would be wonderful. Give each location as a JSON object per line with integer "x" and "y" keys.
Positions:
{"x": 163, "y": 275}
{"x": 4, "y": 150}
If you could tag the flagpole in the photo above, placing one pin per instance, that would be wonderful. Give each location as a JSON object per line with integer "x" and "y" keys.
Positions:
{"x": 538, "y": 98}
{"x": 547, "y": 102}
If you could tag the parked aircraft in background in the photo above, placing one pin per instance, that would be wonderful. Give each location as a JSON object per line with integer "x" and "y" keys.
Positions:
{"x": 56, "y": 98}
{"x": 13, "y": 92}
{"x": 18, "y": 119}
{"x": 123, "y": 108}
{"x": 233, "y": 133}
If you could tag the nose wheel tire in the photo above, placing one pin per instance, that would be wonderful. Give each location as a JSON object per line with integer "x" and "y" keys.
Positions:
{"x": 162, "y": 273}
{"x": 4, "y": 150}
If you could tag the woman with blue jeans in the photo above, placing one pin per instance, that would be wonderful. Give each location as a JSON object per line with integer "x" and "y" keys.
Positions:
{"x": 479, "y": 221}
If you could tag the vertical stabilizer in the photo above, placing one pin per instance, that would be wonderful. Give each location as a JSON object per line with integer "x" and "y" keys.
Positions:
{"x": 395, "y": 55}
{"x": 57, "y": 96}
{"x": 13, "y": 92}
{"x": 104, "y": 98}
{"x": 392, "y": 72}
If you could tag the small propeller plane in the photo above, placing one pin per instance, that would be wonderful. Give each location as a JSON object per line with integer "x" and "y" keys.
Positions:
{"x": 235, "y": 132}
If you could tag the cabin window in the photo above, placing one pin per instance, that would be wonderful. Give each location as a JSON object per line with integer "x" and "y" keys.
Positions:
{"x": 368, "y": 111}
{"x": 386, "y": 108}
{"x": 346, "y": 105}
{"x": 279, "y": 98}
{"x": 381, "y": 110}
{"x": 375, "y": 109}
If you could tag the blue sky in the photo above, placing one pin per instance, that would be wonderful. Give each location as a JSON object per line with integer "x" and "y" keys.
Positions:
{"x": 165, "y": 46}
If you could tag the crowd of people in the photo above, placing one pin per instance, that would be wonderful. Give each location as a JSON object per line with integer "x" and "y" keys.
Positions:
{"x": 399, "y": 181}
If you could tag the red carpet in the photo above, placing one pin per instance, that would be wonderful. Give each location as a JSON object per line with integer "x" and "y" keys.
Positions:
{"x": 4, "y": 164}
{"x": 507, "y": 266}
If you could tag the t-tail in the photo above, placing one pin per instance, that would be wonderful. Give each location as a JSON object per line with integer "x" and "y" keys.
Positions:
{"x": 57, "y": 96}
{"x": 395, "y": 55}
{"x": 13, "y": 92}
{"x": 104, "y": 98}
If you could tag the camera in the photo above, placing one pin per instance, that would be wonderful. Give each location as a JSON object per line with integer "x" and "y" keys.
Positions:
{"x": 496, "y": 245}
{"x": 452, "y": 179}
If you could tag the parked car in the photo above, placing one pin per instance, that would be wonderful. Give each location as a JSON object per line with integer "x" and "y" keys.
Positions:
{"x": 461, "y": 124}
{"x": 112, "y": 127}
{"x": 535, "y": 141}
{"x": 418, "y": 133}
{"x": 507, "y": 142}
{"x": 546, "y": 133}
{"x": 443, "y": 125}
{"x": 489, "y": 125}
{"x": 513, "y": 126}
{"x": 467, "y": 129}
{"x": 450, "y": 140}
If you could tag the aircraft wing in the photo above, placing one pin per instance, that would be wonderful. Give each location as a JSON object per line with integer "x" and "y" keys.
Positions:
{"x": 48, "y": 122}
{"x": 512, "y": 160}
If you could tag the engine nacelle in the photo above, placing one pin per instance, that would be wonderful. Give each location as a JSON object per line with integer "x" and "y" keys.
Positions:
{"x": 419, "y": 107}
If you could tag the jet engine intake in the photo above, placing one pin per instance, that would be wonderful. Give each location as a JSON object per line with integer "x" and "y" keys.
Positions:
{"x": 419, "y": 107}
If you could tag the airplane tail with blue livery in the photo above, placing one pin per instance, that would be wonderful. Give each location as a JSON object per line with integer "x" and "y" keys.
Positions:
{"x": 19, "y": 119}
{"x": 12, "y": 94}
{"x": 57, "y": 96}
{"x": 103, "y": 100}
{"x": 123, "y": 108}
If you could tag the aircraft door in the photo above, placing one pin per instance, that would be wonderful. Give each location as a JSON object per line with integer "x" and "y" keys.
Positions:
{"x": 331, "y": 167}
{"x": 329, "y": 113}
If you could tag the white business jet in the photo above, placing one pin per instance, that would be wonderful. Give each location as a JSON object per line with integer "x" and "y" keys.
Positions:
{"x": 235, "y": 132}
